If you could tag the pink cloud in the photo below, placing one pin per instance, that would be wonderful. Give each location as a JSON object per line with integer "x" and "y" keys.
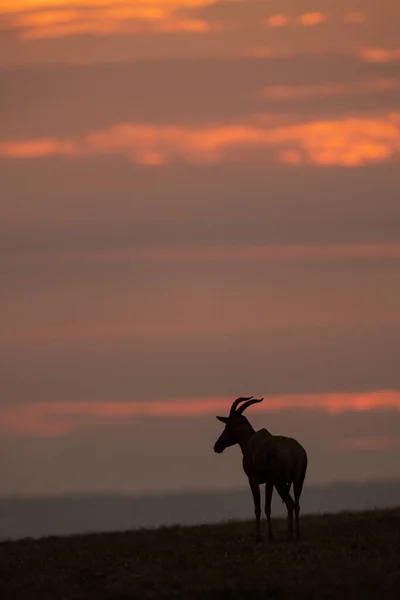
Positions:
{"x": 48, "y": 419}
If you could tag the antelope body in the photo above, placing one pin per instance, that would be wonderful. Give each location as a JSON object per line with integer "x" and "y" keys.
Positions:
{"x": 273, "y": 460}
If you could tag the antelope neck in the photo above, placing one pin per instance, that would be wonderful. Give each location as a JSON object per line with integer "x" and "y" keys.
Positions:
{"x": 244, "y": 433}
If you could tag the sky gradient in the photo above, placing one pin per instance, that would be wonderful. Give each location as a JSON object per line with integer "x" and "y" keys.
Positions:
{"x": 200, "y": 200}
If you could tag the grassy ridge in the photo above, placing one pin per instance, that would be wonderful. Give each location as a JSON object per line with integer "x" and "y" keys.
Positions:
{"x": 340, "y": 556}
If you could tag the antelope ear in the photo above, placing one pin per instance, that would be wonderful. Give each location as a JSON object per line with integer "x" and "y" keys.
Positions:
{"x": 223, "y": 419}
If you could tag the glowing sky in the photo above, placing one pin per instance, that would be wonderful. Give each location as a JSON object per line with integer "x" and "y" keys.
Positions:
{"x": 200, "y": 199}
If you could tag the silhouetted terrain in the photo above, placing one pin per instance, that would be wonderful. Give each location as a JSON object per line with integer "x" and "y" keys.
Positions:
{"x": 35, "y": 517}
{"x": 340, "y": 556}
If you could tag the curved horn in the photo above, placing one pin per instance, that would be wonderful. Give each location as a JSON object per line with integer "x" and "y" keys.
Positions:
{"x": 246, "y": 404}
{"x": 236, "y": 402}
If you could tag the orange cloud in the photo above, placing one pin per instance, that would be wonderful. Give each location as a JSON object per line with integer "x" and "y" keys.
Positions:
{"x": 47, "y": 419}
{"x": 36, "y": 19}
{"x": 307, "y": 19}
{"x": 312, "y": 18}
{"x": 347, "y": 142}
{"x": 117, "y": 28}
{"x": 44, "y": 18}
{"x": 17, "y": 6}
{"x": 276, "y": 20}
{"x": 38, "y": 148}
{"x": 379, "y": 55}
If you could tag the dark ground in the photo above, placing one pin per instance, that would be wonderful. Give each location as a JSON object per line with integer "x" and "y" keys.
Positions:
{"x": 340, "y": 556}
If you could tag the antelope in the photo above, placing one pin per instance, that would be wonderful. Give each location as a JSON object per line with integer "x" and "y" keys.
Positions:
{"x": 275, "y": 460}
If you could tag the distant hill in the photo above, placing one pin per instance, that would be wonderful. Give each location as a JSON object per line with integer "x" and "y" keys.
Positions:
{"x": 36, "y": 517}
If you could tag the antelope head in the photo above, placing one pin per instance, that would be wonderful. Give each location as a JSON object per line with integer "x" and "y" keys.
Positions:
{"x": 235, "y": 423}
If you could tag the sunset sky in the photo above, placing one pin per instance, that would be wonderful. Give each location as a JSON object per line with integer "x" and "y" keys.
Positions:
{"x": 199, "y": 200}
